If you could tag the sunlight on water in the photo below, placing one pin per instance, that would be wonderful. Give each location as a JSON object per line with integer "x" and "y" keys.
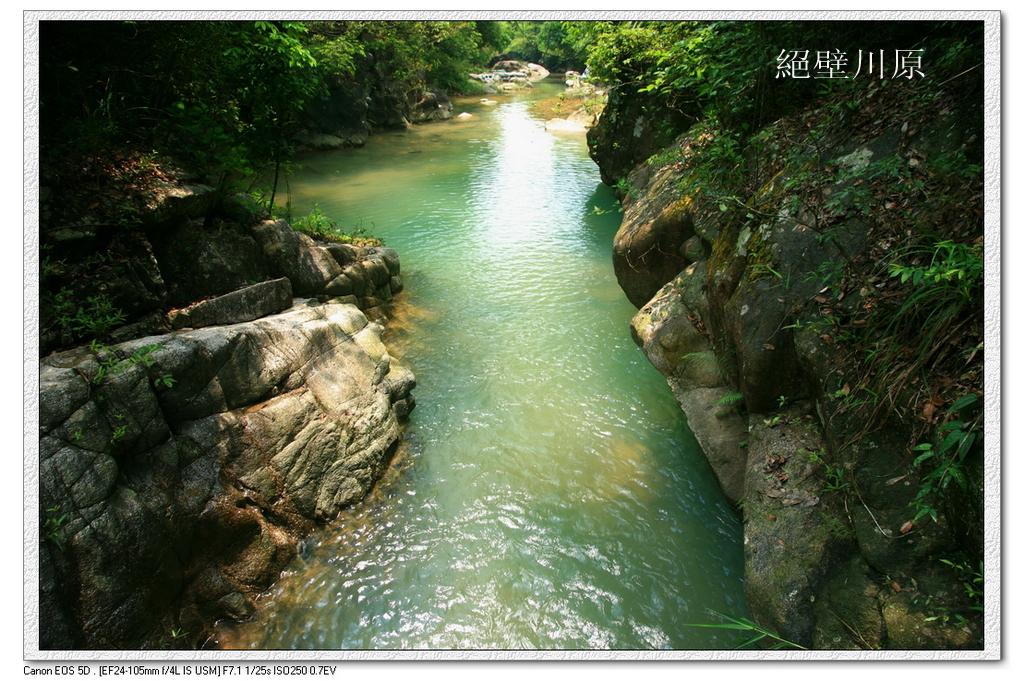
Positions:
{"x": 548, "y": 494}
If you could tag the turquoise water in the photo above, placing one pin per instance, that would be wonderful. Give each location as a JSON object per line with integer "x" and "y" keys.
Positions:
{"x": 549, "y": 493}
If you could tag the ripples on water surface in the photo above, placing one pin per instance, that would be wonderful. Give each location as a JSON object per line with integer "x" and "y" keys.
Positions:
{"x": 548, "y": 494}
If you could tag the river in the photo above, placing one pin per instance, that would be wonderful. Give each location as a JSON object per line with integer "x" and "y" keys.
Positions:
{"x": 548, "y": 493}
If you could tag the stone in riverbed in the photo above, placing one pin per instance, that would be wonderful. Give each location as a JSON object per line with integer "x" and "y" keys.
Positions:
{"x": 693, "y": 249}
{"x": 243, "y": 305}
{"x": 198, "y": 261}
{"x": 657, "y": 221}
{"x": 358, "y": 278}
{"x": 432, "y": 106}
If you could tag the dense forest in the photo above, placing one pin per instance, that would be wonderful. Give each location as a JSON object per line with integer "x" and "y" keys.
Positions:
{"x": 804, "y": 248}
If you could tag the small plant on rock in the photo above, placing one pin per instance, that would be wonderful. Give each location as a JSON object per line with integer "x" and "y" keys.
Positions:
{"x": 730, "y": 399}
{"x": 945, "y": 462}
{"x": 93, "y": 318}
{"x": 52, "y": 524}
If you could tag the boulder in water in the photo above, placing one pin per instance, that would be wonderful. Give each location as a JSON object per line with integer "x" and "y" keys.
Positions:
{"x": 177, "y": 484}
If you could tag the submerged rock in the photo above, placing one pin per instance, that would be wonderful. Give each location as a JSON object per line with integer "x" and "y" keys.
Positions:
{"x": 565, "y": 125}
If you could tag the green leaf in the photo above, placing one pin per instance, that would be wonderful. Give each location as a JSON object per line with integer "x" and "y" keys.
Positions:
{"x": 962, "y": 403}
{"x": 966, "y": 444}
{"x": 924, "y": 457}
{"x": 950, "y": 440}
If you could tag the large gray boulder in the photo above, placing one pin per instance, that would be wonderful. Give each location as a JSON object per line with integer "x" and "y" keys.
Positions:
{"x": 658, "y": 219}
{"x": 309, "y": 266}
{"x": 243, "y": 305}
{"x": 178, "y": 472}
{"x": 669, "y": 330}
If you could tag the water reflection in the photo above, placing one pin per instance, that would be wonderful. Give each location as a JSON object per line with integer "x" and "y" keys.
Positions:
{"x": 549, "y": 494}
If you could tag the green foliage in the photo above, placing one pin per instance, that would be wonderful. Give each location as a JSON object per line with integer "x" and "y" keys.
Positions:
{"x": 717, "y": 66}
{"x": 53, "y": 522}
{"x": 814, "y": 456}
{"x": 835, "y": 475}
{"x": 111, "y": 364}
{"x": 952, "y": 274}
{"x": 624, "y": 187}
{"x": 941, "y": 283}
{"x": 318, "y": 225}
{"x": 555, "y": 44}
{"x": 226, "y": 97}
{"x": 337, "y": 53}
{"x": 414, "y": 53}
{"x": 92, "y": 318}
{"x": 729, "y": 399}
{"x": 944, "y": 461}
{"x": 757, "y": 632}
{"x": 972, "y": 581}
{"x": 835, "y": 479}
{"x": 118, "y": 433}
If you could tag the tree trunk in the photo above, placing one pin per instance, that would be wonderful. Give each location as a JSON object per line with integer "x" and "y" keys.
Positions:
{"x": 277, "y": 173}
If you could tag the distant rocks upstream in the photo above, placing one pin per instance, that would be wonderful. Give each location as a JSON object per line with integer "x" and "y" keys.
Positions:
{"x": 511, "y": 75}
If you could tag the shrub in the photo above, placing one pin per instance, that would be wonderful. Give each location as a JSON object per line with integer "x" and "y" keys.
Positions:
{"x": 318, "y": 225}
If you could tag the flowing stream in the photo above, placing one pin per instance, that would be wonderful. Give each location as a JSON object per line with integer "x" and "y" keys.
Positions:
{"x": 548, "y": 493}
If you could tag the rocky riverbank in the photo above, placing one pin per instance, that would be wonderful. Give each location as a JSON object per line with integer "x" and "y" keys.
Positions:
{"x": 744, "y": 304}
{"x": 245, "y": 398}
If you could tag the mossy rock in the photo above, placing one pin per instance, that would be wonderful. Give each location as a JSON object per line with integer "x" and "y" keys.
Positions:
{"x": 847, "y": 613}
{"x": 788, "y": 543}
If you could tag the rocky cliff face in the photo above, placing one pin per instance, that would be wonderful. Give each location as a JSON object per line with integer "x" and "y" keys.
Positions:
{"x": 736, "y": 307}
{"x": 351, "y": 110}
{"x": 183, "y": 458}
